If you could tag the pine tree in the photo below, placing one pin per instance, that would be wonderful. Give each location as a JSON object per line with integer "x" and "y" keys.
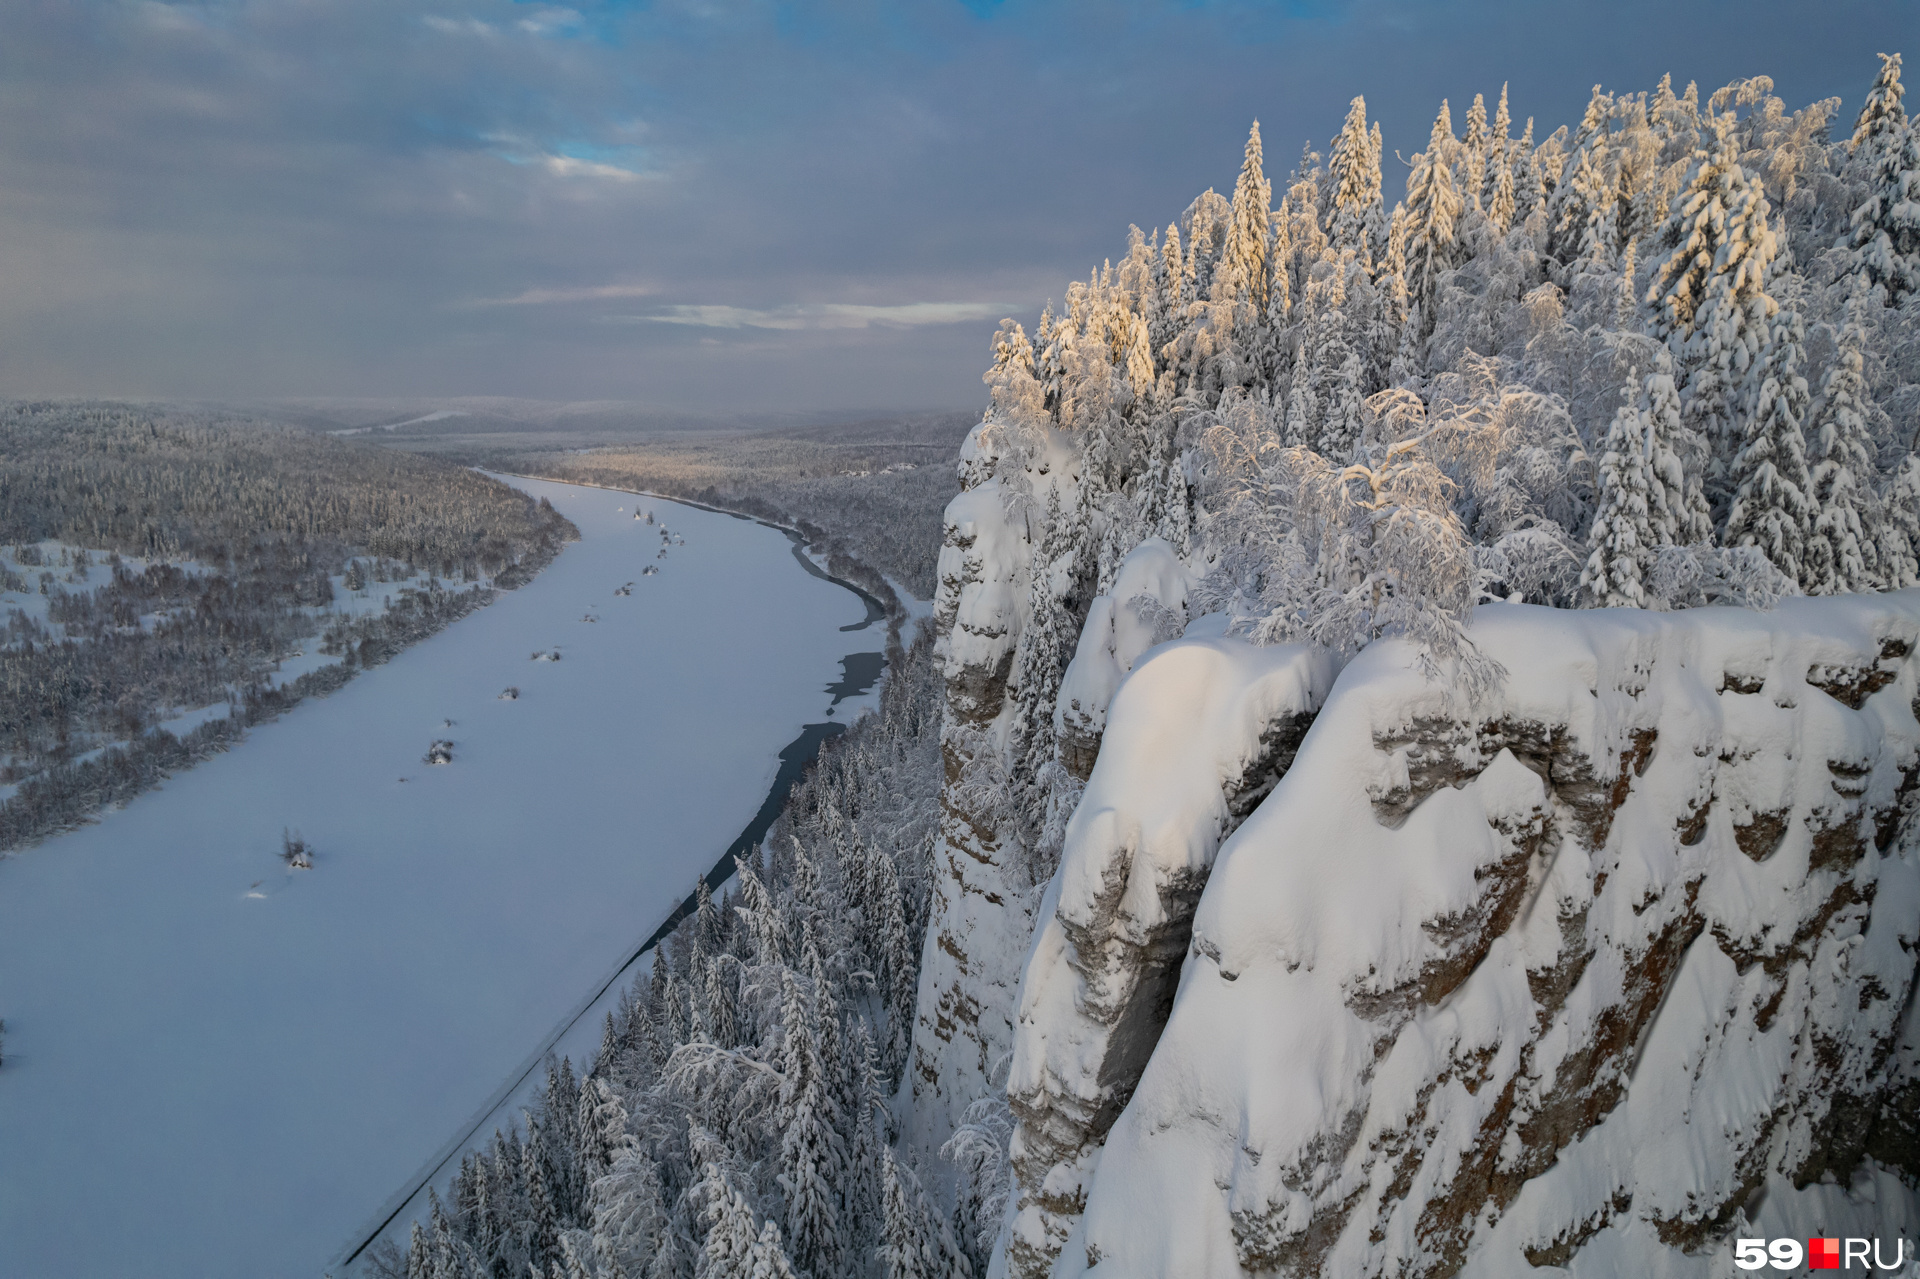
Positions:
{"x": 1770, "y": 506}
{"x": 1842, "y": 555}
{"x": 1885, "y": 235}
{"x": 1622, "y": 541}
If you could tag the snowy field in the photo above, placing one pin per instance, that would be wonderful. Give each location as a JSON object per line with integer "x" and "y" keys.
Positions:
{"x": 216, "y": 1066}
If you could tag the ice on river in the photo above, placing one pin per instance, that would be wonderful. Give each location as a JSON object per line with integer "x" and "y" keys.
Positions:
{"x": 218, "y": 1066}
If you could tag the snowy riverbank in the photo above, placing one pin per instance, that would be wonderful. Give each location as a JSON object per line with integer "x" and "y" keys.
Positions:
{"x": 217, "y": 1066}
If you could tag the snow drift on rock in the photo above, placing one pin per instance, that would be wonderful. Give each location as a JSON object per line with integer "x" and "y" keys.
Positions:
{"x": 1562, "y": 979}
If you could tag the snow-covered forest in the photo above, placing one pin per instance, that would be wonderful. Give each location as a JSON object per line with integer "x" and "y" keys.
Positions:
{"x": 735, "y": 1118}
{"x": 867, "y": 494}
{"x": 1662, "y": 358}
{"x": 244, "y": 542}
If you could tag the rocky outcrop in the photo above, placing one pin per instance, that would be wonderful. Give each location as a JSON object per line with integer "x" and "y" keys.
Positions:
{"x": 1147, "y": 606}
{"x": 1200, "y": 732}
{"x": 1587, "y": 975}
{"x": 980, "y": 916}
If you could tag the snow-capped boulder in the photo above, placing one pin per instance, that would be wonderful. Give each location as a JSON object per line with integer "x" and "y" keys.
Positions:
{"x": 1147, "y": 606}
{"x": 1590, "y": 974}
{"x": 1200, "y": 732}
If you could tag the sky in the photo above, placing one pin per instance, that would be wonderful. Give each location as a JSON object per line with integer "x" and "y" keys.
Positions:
{"x": 711, "y": 205}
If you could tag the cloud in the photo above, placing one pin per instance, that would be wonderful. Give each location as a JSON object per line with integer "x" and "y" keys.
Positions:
{"x": 458, "y": 26}
{"x": 547, "y": 21}
{"x": 591, "y": 293}
{"x": 566, "y": 166}
{"x": 828, "y": 315}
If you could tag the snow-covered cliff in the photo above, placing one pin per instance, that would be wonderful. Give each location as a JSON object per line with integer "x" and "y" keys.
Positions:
{"x": 1585, "y": 975}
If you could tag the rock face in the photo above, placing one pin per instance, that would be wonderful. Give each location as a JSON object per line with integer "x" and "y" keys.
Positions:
{"x": 1589, "y": 975}
{"x": 977, "y": 923}
{"x": 1147, "y": 606}
{"x": 1198, "y": 736}
{"x": 981, "y": 913}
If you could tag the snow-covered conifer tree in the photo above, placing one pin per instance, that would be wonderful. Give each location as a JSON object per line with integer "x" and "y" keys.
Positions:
{"x": 1899, "y": 532}
{"x": 1353, "y": 217}
{"x": 1498, "y": 198}
{"x": 1886, "y": 154}
{"x": 1570, "y": 205}
{"x": 916, "y": 1244}
{"x": 1524, "y": 163}
{"x": 732, "y": 1236}
{"x": 1470, "y": 160}
{"x": 1622, "y": 540}
{"x": 1709, "y": 300}
{"x": 811, "y": 1149}
{"x": 1842, "y": 554}
{"x": 1770, "y": 508}
{"x": 1433, "y": 210}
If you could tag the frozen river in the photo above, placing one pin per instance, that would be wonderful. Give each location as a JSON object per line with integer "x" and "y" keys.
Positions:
{"x": 219, "y": 1067}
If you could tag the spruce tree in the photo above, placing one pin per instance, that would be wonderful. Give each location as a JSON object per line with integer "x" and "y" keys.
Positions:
{"x": 1770, "y": 508}
{"x": 915, "y": 1243}
{"x": 1352, "y": 216}
{"x": 1471, "y": 158}
{"x": 541, "y": 1234}
{"x": 811, "y": 1150}
{"x": 769, "y": 1257}
{"x": 1433, "y": 210}
{"x": 731, "y": 1249}
{"x": 1899, "y": 532}
{"x": 899, "y": 966}
{"x": 1842, "y": 555}
{"x": 1885, "y": 153}
{"x": 1709, "y": 300}
{"x": 1528, "y": 194}
{"x": 1569, "y": 205}
{"x": 1498, "y": 198}
{"x": 1622, "y": 541}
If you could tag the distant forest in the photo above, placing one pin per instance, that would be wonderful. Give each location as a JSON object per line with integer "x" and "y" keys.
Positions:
{"x": 868, "y": 495}
{"x": 242, "y": 529}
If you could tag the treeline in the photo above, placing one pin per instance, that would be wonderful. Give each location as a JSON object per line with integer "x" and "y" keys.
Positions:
{"x": 864, "y": 494}
{"x": 245, "y": 527}
{"x": 229, "y": 492}
{"x": 734, "y": 1121}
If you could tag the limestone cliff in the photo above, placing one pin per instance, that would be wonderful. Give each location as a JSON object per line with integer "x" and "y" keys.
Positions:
{"x": 1588, "y": 974}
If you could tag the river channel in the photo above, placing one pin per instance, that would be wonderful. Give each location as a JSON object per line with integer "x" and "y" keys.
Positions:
{"x": 216, "y": 1066}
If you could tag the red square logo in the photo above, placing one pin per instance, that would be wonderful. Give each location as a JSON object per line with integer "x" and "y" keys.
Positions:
{"x": 1823, "y": 1254}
